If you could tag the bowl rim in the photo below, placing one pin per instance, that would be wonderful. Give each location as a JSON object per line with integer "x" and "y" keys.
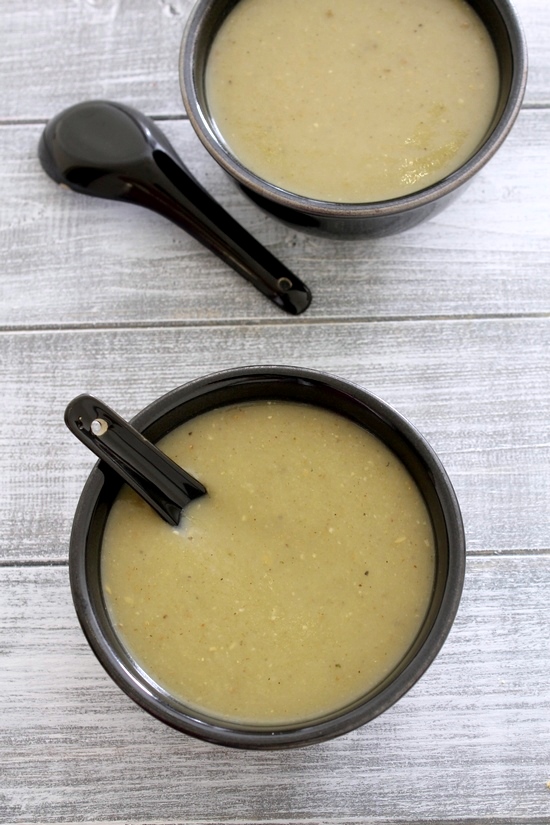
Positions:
{"x": 210, "y": 139}
{"x": 124, "y": 672}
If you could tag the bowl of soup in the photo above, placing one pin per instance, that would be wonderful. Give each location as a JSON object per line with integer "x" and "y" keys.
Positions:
{"x": 304, "y": 594}
{"x": 357, "y": 117}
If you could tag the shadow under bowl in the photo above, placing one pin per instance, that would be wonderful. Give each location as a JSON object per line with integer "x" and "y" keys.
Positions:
{"x": 290, "y": 384}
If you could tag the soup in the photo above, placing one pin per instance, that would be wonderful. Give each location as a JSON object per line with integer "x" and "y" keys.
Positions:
{"x": 291, "y": 589}
{"x": 353, "y": 100}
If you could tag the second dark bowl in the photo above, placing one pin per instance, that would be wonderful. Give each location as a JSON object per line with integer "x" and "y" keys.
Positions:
{"x": 342, "y": 220}
{"x": 291, "y": 384}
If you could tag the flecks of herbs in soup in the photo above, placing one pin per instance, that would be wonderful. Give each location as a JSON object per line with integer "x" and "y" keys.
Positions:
{"x": 352, "y": 100}
{"x": 293, "y": 587}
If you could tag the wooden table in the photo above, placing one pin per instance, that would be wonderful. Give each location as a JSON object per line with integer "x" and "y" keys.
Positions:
{"x": 448, "y": 322}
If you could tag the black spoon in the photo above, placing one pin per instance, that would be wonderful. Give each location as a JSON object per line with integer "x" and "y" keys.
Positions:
{"x": 112, "y": 151}
{"x": 154, "y": 476}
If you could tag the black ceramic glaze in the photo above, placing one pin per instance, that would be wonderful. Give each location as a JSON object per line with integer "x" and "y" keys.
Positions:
{"x": 291, "y": 384}
{"x": 355, "y": 220}
{"x": 112, "y": 151}
{"x": 154, "y": 476}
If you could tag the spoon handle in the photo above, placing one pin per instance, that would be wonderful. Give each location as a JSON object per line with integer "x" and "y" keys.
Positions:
{"x": 154, "y": 476}
{"x": 191, "y": 207}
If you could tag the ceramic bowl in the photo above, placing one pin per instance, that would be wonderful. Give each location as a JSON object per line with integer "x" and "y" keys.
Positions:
{"x": 305, "y": 386}
{"x": 342, "y": 220}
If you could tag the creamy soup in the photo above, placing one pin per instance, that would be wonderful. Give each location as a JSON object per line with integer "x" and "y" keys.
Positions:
{"x": 352, "y": 100}
{"x": 291, "y": 589}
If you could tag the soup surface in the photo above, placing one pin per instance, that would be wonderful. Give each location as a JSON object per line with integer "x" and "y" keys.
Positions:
{"x": 352, "y": 100}
{"x": 294, "y": 586}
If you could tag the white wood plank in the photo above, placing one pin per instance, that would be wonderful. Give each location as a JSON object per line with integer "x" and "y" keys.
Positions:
{"x": 470, "y": 742}
{"x": 535, "y": 21}
{"x": 58, "y": 52}
{"x": 448, "y": 322}
{"x": 486, "y": 254}
{"x": 479, "y": 391}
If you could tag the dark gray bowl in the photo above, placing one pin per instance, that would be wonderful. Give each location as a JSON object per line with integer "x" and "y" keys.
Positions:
{"x": 342, "y": 220}
{"x": 253, "y": 383}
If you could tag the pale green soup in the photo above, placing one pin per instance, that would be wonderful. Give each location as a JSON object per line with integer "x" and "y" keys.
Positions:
{"x": 291, "y": 589}
{"x": 352, "y": 100}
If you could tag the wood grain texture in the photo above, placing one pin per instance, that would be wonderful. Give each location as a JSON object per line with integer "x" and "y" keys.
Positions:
{"x": 449, "y": 322}
{"x": 471, "y": 739}
{"x": 58, "y": 52}
{"x": 486, "y": 415}
{"x": 536, "y": 25}
{"x": 486, "y": 254}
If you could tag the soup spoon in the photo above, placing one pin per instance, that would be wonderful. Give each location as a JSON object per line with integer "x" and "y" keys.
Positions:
{"x": 155, "y": 477}
{"x": 112, "y": 151}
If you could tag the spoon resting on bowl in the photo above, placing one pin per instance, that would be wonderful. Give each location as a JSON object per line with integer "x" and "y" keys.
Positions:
{"x": 112, "y": 151}
{"x": 156, "y": 478}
